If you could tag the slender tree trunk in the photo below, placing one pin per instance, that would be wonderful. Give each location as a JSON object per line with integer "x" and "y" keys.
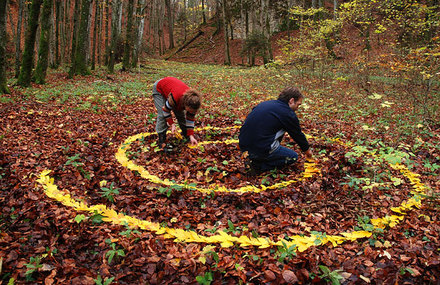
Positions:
{"x": 184, "y": 21}
{"x": 267, "y": 24}
{"x": 95, "y": 31}
{"x": 225, "y": 27}
{"x": 170, "y": 24}
{"x": 218, "y": 4}
{"x": 89, "y": 28}
{"x": 21, "y": 7}
{"x": 57, "y": 32}
{"x": 64, "y": 32}
{"x": 140, "y": 22}
{"x": 3, "y": 82}
{"x": 80, "y": 63}
{"x": 162, "y": 34}
{"x": 154, "y": 19}
{"x": 43, "y": 52}
{"x": 76, "y": 12}
{"x": 128, "y": 36}
{"x": 106, "y": 23}
{"x": 117, "y": 6}
{"x": 203, "y": 12}
{"x": 24, "y": 79}
{"x": 99, "y": 40}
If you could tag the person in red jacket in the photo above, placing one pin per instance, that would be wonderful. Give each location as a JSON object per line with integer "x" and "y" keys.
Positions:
{"x": 171, "y": 94}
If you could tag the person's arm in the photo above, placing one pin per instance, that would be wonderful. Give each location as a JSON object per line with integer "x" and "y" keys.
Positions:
{"x": 293, "y": 128}
{"x": 190, "y": 119}
{"x": 169, "y": 103}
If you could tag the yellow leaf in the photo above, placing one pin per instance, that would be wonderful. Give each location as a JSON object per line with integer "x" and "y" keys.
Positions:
{"x": 356, "y": 235}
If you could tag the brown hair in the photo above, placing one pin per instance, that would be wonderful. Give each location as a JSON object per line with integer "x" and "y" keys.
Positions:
{"x": 192, "y": 99}
{"x": 289, "y": 93}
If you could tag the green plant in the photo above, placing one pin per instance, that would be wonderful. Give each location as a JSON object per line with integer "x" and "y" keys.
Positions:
{"x": 111, "y": 253}
{"x": 106, "y": 281}
{"x": 32, "y": 266}
{"x": 231, "y": 228}
{"x": 404, "y": 270}
{"x": 109, "y": 192}
{"x": 96, "y": 218}
{"x": 79, "y": 218}
{"x": 128, "y": 232}
{"x": 286, "y": 252}
{"x": 364, "y": 224}
{"x": 169, "y": 190}
{"x": 205, "y": 279}
{"x": 333, "y": 276}
{"x": 73, "y": 160}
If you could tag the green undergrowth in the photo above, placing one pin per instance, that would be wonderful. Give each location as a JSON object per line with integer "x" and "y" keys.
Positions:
{"x": 334, "y": 97}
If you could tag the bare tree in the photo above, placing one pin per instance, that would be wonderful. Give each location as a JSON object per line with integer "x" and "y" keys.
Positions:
{"x": 80, "y": 58}
{"x": 76, "y": 12}
{"x": 24, "y": 79}
{"x": 128, "y": 36}
{"x": 58, "y": 12}
{"x": 170, "y": 23}
{"x": 203, "y": 12}
{"x": 95, "y": 32}
{"x": 3, "y": 82}
{"x": 43, "y": 51}
{"x": 140, "y": 21}
{"x": 116, "y": 30}
{"x": 21, "y": 8}
{"x": 225, "y": 28}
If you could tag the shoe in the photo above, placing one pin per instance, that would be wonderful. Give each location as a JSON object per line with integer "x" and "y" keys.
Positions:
{"x": 167, "y": 148}
{"x": 253, "y": 168}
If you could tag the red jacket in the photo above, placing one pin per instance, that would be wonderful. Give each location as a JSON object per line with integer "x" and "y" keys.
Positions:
{"x": 172, "y": 89}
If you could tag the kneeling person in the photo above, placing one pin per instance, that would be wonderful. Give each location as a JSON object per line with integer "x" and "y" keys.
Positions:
{"x": 264, "y": 128}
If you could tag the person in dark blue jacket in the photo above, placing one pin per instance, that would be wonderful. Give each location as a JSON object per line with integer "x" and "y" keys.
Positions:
{"x": 264, "y": 128}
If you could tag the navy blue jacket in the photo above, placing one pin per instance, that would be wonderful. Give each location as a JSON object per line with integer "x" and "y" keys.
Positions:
{"x": 265, "y": 124}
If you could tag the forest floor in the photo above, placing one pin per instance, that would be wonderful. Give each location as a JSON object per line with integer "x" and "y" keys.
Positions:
{"x": 87, "y": 198}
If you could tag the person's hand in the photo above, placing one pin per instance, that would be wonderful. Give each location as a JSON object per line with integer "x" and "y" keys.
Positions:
{"x": 173, "y": 128}
{"x": 192, "y": 141}
{"x": 309, "y": 154}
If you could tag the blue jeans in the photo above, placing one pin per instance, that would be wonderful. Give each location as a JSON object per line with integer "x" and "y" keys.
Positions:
{"x": 280, "y": 157}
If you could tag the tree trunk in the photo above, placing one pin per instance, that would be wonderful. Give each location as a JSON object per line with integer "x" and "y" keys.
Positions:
{"x": 184, "y": 21}
{"x": 75, "y": 29}
{"x": 170, "y": 24}
{"x": 335, "y": 9}
{"x": 89, "y": 28}
{"x": 128, "y": 36}
{"x": 43, "y": 52}
{"x": 3, "y": 82}
{"x": 57, "y": 32}
{"x": 24, "y": 79}
{"x": 116, "y": 19}
{"x": 99, "y": 40}
{"x": 107, "y": 47}
{"x": 267, "y": 24}
{"x": 203, "y": 12}
{"x": 80, "y": 64}
{"x": 21, "y": 7}
{"x": 161, "y": 24}
{"x": 65, "y": 32}
{"x": 140, "y": 21}
{"x": 225, "y": 27}
{"x": 95, "y": 31}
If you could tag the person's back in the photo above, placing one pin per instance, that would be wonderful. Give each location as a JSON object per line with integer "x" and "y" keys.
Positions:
{"x": 260, "y": 128}
{"x": 264, "y": 128}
